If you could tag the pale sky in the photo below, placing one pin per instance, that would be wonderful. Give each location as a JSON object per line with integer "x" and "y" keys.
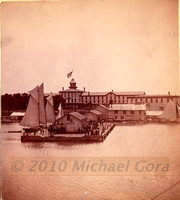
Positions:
{"x": 120, "y": 45}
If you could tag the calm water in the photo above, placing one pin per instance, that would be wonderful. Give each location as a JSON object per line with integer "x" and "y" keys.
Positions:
{"x": 150, "y": 140}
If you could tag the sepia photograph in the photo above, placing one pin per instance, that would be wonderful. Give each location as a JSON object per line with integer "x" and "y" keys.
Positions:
{"x": 90, "y": 100}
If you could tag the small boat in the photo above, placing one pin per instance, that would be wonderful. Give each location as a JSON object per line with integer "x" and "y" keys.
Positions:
{"x": 14, "y": 131}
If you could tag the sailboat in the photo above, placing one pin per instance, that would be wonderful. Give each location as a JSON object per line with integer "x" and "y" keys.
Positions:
{"x": 50, "y": 116}
{"x": 60, "y": 112}
{"x": 35, "y": 116}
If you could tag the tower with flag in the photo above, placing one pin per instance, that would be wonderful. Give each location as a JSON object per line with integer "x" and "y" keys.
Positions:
{"x": 72, "y": 95}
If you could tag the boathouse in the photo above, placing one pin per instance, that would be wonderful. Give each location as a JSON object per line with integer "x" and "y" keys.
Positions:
{"x": 72, "y": 122}
{"x": 94, "y": 115}
{"x": 17, "y": 116}
{"x": 104, "y": 110}
{"x": 127, "y": 112}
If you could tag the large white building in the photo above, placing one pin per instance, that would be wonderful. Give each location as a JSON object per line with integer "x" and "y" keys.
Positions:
{"x": 75, "y": 98}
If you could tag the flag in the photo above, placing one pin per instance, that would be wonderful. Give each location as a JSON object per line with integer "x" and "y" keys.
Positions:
{"x": 69, "y": 74}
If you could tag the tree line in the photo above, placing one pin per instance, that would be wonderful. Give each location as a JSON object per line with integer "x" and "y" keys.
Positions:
{"x": 17, "y": 102}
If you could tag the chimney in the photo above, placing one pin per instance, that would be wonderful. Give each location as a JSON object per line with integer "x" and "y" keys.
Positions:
{"x": 88, "y": 93}
{"x": 84, "y": 89}
{"x": 169, "y": 93}
{"x": 63, "y": 88}
{"x": 112, "y": 91}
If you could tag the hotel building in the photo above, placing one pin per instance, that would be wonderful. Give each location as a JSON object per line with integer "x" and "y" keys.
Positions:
{"x": 75, "y": 98}
{"x": 81, "y": 99}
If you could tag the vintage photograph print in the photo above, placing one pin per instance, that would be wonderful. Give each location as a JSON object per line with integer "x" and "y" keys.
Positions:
{"x": 90, "y": 100}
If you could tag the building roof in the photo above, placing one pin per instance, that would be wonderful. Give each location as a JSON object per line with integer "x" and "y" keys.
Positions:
{"x": 53, "y": 94}
{"x": 71, "y": 90}
{"x": 94, "y": 93}
{"x": 17, "y": 114}
{"x": 158, "y": 96}
{"x": 78, "y": 116}
{"x": 89, "y": 117}
{"x": 95, "y": 112}
{"x": 153, "y": 113}
{"x": 127, "y": 107}
{"x": 129, "y": 93}
{"x": 115, "y": 93}
{"x": 102, "y": 106}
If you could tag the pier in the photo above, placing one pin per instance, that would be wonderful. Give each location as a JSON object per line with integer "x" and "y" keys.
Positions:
{"x": 69, "y": 137}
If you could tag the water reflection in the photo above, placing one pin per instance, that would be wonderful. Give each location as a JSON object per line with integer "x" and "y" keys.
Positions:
{"x": 134, "y": 141}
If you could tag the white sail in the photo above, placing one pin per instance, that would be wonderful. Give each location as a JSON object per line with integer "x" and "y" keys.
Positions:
{"x": 50, "y": 109}
{"x": 42, "y": 113}
{"x": 60, "y": 113}
{"x": 170, "y": 112}
{"x": 31, "y": 117}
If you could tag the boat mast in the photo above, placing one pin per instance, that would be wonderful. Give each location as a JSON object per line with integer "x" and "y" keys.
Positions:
{"x": 41, "y": 106}
{"x": 38, "y": 106}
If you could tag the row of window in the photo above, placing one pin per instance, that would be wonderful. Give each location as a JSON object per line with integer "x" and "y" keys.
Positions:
{"x": 100, "y": 99}
{"x": 71, "y": 101}
{"x": 143, "y": 100}
{"x": 105, "y": 98}
{"x": 150, "y": 100}
{"x": 106, "y": 101}
{"x": 122, "y": 117}
{"x": 65, "y": 95}
{"x": 125, "y": 112}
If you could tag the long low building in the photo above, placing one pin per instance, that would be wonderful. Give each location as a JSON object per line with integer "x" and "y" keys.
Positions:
{"x": 17, "y": 116}
{"x": 134, "y": 112}
{"x": 123, "y": 112}
{"x": 127, "y": 112}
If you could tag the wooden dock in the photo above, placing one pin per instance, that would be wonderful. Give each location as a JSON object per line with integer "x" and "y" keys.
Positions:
{"x": 69, "y": 138}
